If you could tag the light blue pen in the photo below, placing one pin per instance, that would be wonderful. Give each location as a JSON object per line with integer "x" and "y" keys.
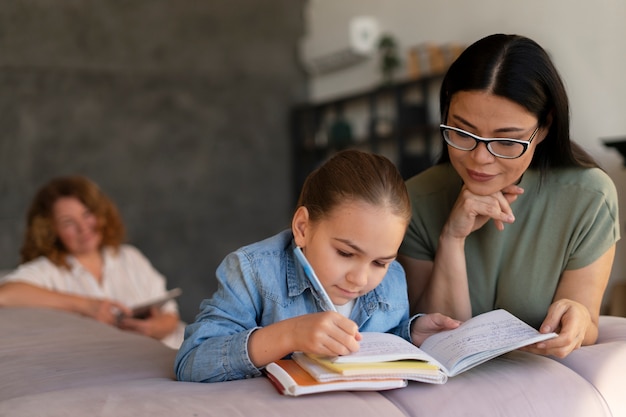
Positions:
{"x": 310, "y": 273}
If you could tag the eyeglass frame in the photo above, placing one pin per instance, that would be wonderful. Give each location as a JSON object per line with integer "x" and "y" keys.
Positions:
{"x": 487, "y": 141}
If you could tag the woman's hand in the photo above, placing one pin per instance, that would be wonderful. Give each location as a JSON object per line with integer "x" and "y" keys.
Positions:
{"x": 430, "y": 324}
{"x": 571, "y": 320}
{"x": 576, "y": 312}
{"x": 472, "y": 211}
{"x": 157, "y": 325}
{"x": 442, "y": 285}
{"x": 105, "y": 311}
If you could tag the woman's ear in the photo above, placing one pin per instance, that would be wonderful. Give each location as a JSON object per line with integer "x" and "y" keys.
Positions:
{"x": 546, "y": 128}
{"x": 300, "y": 225}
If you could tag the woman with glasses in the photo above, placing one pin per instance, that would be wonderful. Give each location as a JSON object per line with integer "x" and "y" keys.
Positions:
{"x": 514, "y": 215}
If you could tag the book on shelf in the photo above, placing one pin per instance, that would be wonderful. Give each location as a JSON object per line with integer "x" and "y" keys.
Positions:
{"x": 292, "y": 380}
{"x": 442, "y": 355}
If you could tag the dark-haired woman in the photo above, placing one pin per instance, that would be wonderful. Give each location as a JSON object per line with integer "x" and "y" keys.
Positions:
{"x": 515, "y": 215}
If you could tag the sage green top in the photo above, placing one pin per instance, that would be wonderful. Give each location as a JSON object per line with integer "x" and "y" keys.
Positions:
{"x": 566, "y": 222}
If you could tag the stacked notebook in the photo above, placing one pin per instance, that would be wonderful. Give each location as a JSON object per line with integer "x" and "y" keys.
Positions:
{"x": 386, "y": 361}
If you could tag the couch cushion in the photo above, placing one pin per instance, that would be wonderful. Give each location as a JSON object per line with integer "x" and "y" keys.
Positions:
{"x": 59, "y": 364}
{"x": 516, "y": 384}
{"x": 604, "y": 364}
{"x": 159, "y": 397}
{"x": 48, "y": 350}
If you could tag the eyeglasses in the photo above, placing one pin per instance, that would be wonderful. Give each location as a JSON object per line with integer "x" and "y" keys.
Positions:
{"x": 501, "y": 147}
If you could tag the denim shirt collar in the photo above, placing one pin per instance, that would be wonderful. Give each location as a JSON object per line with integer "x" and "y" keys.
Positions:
{"x": 297, "y": 282}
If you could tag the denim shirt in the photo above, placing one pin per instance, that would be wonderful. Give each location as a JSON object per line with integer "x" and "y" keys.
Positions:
{"x": 261, "y": 284}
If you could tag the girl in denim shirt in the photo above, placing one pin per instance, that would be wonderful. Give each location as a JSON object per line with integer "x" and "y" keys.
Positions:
{"x": 351, "y": 217}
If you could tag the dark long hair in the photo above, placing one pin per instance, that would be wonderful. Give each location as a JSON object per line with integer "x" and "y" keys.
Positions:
{"x": 518, "y": 69}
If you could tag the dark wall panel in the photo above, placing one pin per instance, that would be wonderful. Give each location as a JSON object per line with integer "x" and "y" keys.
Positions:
{"x": 178, "y": 109}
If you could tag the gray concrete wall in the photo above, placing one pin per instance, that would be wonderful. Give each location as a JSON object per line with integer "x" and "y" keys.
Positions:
{"x": 178, "y": 109}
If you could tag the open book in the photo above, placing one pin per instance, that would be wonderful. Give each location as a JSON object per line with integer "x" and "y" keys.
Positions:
{"x": 442, "y": 355}
{"x": 290, "y": 379}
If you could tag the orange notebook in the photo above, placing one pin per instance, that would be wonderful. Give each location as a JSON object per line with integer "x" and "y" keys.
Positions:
{"x": 290, "y": 379}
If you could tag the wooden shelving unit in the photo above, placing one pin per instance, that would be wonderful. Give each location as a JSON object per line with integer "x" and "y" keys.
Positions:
{"x": 396, "y": 120}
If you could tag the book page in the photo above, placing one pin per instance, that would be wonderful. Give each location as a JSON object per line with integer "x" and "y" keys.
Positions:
{"x": 322, "y": 370}
{"x": 481, "y": 338}
{"x": 380, "y": 347}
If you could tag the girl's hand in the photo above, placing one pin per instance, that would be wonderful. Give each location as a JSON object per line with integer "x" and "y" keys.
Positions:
{"x": 430, "y": 324}
{"x": 328, "y": 333}
{"x": 570, "y": 320}
{"x": 472, "y": 211}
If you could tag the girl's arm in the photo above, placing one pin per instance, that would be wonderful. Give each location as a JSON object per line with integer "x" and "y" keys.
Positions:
{"x": 239, "y": 330}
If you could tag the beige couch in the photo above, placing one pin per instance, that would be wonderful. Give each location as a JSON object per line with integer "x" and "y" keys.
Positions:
{"x": 57, "y": 364}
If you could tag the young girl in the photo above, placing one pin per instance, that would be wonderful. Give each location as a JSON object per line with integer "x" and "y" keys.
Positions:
{"x": 351, "y": 218}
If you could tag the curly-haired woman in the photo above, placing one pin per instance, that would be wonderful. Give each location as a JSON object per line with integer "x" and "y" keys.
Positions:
{"x": 74, "y": 259}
